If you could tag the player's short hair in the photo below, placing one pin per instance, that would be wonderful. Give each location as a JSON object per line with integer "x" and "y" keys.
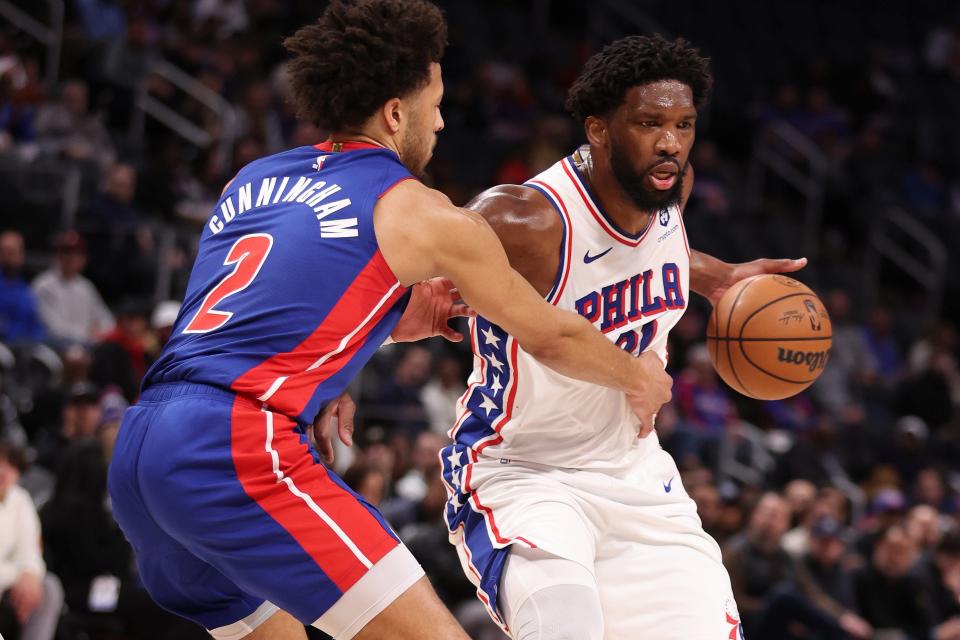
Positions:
{"x": 635, "y": 61}
{"x": 358, "y": 55}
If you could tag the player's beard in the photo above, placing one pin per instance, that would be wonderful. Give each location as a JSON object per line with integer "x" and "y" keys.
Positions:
{"x": 417, "y": 148}
{"x": 637, "y": 185}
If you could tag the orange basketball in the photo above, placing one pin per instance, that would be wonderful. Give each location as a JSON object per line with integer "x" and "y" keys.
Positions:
{"x": 769, "y": 337}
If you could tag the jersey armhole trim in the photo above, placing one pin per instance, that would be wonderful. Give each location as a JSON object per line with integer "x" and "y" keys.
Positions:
{"x": 390, "y": 188}
{"x": 566, "y": 242}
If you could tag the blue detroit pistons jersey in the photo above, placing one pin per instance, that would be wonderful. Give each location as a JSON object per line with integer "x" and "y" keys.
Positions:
{"x": 290, "y": 295}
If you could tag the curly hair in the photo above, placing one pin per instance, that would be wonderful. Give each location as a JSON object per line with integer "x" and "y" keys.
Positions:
{"x": 634, "y": 61}
{"x": 360, "y": 54}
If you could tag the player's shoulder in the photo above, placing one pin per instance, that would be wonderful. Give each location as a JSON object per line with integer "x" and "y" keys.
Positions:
{"x": 516, "y": 207}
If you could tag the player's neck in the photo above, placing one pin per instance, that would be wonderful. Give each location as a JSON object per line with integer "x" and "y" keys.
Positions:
{"x": 612, "y": 198}
{"x": 368, "y": 137}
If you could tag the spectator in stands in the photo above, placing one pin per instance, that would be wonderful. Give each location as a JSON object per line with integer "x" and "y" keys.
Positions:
{"x": 397, "y": 401}
{"x": 16, "y": 115}
{"x": 704, "y": 404}
{"x": 944, "y": 569}
{"x": 929, "y": 489}
{"x": 825, "y": 123}
{"x": 713, "y": 187}
{"x": 825, "y": 579}
{"x": 925, "y": 191}
{"x": 439, "y": 396}
{"x": 259, "y": 117}
{"x": 112, "y": 207}
{"x": 756, "y": 561}
{"x": 887, "y": 509}
{"x": 924, "y": 528}
{"x": 708, "y": 507}
{"x": 878, "y": 335}
{"x": 68, "y": 128}
{"x": 120, "y": 358}
{"x": 928, "y": 393}
{"x": 889, "y": 592}
{"x": 87, "y": 550}
{"x": 424, "y": 465}
{"x": 801, "y": 497}
{"x": 30, "y": 598}
{"x": 80, "y": 418}
{"x": 368, "y": 480}
{"x": 162, "y": 319}
{"x": 19, "y": 320}
{"x": 70, "y": 305}
{"x": 852, "y": 365}
{"x": 702, "y": 400}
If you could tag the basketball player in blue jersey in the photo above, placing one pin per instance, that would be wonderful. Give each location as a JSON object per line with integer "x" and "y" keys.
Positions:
{"x": 304, "y": 269}
{"x": 567, "y": 515}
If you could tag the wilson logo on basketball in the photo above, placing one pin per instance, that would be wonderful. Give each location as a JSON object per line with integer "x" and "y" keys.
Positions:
{"x": 812, "y": 359}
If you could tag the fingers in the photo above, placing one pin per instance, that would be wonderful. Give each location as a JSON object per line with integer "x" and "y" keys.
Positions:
{"x": 784, "y": 265}
{"x": 461, "y": 311}
{"x": 445, "y": 283}
{"x": 655, "y": 356}
{"x": 450, "y": 334}
{"x": 321, "y": 430}
{"x": 345, "y": 413}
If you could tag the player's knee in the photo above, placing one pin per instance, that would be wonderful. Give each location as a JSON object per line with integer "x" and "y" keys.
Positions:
{"x": 561, "y": 612}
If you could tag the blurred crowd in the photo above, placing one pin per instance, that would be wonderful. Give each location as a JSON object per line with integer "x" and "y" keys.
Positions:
{"x": 838, "y": 510}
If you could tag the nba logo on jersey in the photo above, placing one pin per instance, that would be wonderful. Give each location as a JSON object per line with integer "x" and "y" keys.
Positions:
{"x": 664, "y": 217}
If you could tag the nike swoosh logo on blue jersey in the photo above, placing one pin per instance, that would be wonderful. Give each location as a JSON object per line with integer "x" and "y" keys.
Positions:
{"x": 587, "y": 258}
{"x": 668, "y": 486}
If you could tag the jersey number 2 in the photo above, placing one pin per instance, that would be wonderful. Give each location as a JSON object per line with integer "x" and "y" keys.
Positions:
{"x": 248, "y": 254}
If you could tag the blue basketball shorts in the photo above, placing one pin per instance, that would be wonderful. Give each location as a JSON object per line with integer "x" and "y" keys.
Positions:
{"x": 232, "y": 516}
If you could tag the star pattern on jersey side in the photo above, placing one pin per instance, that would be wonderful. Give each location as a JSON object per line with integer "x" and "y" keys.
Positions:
{"x": 455, "y": 480}
{"x": 455, "y": 459}
{"x": 488, "y": 405}
{"x": 495, "y": 362}
{"x": 496, "y": 387}
{"x": 455, "y": 502}
{"x": 490, "y": 338}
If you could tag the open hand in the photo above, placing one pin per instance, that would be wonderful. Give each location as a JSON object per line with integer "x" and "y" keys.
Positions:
{"x": 341, "y": 408}
{"x": 723, "y": 277}
{"x": 432, "y": 304}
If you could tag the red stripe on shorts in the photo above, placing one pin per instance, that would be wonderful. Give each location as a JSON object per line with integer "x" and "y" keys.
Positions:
{"x": 279, "y": 474}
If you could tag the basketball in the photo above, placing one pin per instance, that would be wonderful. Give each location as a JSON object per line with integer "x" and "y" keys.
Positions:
{"x": 769, "y": 337}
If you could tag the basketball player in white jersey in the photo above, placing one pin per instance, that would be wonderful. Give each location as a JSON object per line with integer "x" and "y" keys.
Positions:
{"x": 566, "y": 513}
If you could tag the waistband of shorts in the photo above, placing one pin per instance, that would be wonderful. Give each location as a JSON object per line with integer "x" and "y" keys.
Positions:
{"x": 163, "y": 391}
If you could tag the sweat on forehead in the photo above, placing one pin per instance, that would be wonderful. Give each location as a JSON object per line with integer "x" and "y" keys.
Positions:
{"x": 661, "y": 94}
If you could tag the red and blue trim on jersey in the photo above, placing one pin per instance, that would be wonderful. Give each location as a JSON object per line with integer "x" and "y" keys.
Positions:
{"x": 593, "y": 206}
{"x": 488, "y": 403}
{"x": 484, "y": 545}
{"x": 487, "y": 408}
{"x": 566, "y": 244}
{"x": 321, "y": 300}
{"x": 287, "y": 382}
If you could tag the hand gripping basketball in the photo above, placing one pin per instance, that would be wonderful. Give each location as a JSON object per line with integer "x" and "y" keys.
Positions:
{"x": 654, "y": 392}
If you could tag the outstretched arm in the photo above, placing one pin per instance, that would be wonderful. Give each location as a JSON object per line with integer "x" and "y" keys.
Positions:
{"x": 422, "y": 235}
{"x": 711, "y": 277}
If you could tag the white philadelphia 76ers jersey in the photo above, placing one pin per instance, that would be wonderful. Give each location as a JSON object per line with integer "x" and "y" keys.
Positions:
{"x": 632, "y": 288}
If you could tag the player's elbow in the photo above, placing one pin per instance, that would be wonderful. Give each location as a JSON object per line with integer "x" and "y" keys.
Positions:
{"x": 543, "y": 348}
{"x": 549, "y": 341}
